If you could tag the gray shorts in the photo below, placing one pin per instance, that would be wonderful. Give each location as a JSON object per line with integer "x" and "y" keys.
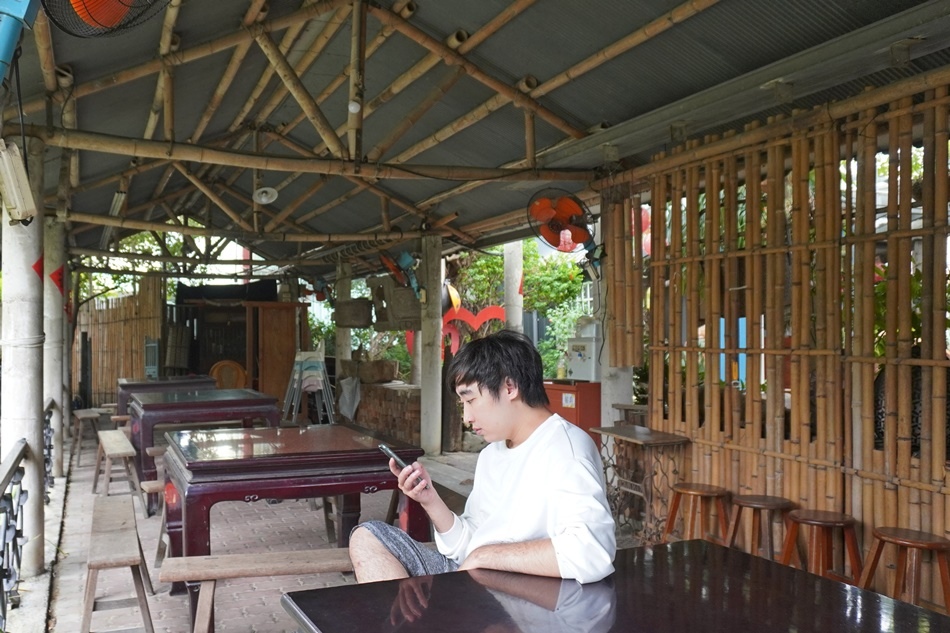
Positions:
{"x": 418, "y": 558}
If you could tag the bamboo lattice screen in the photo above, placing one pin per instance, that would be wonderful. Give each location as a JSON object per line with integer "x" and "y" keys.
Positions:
{"x": 117, "y": 329}
{"x": 795, "y": 305}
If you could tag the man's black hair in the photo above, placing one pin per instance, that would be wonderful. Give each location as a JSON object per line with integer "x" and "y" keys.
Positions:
{"x": 488, "y": 362}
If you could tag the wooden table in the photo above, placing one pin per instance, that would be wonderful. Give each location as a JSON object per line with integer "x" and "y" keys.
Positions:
{"x": 249, "y": 465}
{"x": 127, "y": 386}
{"x": 641, "y": 462}
{"x": 178, "y": 407}
{"x": 694, "y": 586}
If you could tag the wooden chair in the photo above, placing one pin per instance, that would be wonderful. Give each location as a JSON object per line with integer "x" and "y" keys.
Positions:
{"x": 910, "y": 542}
{"x": 822, "y": 524}
{"x": 228, "y": 374}
{"x": 762, "y": 507}
{"x": 701, "y": 497}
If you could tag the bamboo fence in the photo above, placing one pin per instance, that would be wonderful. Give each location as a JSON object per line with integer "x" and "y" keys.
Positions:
{"x": 117, "y": 329}
{"x": 795, "y": 249}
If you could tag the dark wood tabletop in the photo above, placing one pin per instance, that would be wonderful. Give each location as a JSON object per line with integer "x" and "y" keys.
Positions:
{"x": 127, "y": 386}
{"x": 682, "y": 587}
{"x": 149, "y": 409}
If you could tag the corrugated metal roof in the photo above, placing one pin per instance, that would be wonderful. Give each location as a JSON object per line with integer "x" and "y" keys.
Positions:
{"x": 691, "y": 72}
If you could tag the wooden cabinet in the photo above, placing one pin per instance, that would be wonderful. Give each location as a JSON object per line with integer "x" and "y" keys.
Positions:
{"x": 578, "y": 402}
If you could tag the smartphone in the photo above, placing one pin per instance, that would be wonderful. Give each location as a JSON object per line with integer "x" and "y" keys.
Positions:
{"x": 399, "y": 461}
{"x": 389, "y": 453}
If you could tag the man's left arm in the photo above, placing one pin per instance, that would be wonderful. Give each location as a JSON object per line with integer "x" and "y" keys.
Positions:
{"x": 528, "y": 557}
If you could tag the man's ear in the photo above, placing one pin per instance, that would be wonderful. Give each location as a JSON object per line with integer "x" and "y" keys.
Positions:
{"x": 511, "y": 390}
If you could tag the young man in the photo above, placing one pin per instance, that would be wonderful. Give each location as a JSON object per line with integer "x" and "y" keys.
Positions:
{"x": 538, "y": 504}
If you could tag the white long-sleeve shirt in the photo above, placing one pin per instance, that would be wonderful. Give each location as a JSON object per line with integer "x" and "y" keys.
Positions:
{"x": 550, "y": 486}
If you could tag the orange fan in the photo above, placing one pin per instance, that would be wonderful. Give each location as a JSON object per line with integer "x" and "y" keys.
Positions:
{"x": 397, "y": 273}
{"x": 100, "y": 13}
{"x": 562, "y": 221}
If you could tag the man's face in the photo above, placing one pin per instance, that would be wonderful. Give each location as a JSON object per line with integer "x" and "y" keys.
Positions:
{"x": 488, "y": 416}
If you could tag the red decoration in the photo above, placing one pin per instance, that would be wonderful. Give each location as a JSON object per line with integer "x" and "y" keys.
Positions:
{"x": 57, "y": 277}
{"x": 38, "y": 267}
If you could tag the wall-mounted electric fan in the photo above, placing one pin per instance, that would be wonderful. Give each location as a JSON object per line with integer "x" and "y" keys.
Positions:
{"x": 561, "y": 220}
{"x": 95, "y": 18}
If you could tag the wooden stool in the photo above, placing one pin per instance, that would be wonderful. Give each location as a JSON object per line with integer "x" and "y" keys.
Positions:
{"x": 90, "y": 417}
{"x": 915, "y": 542}
{"x": 759, "y": 505}
{"x": 699, "y": 495}
{"x": 114, "y": 445}
{"x": 822, "y": 523}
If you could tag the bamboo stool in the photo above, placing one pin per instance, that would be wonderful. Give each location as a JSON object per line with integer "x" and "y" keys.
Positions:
{"x": 700, "y": 498}
{"x": 759, "y": 505}
{"x": 912, "y": 542}
{"x": 823, "y": 523}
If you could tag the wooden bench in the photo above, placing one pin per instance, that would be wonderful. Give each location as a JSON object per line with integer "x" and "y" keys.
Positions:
{"x": 210, "y": 569}
{"x": 114, "y": 445}
{"x": 114, "y": 543}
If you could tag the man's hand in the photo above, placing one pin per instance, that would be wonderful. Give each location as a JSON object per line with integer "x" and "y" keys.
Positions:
{"x": 415, "y": 483}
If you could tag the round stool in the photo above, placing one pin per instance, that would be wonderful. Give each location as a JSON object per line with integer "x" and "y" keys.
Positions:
{"x": 822, "y": 523}
{"x": 759, "y": 505}
{"x": 913, "y": 542}
{"x": 700, "y": 497}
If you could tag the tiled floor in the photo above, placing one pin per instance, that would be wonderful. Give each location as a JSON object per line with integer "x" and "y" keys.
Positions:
{"x": 246, "y": 605}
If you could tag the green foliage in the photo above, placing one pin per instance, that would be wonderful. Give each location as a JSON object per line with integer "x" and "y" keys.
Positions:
{"x": 563, "y": 319}
{"x": 552, "y": 285}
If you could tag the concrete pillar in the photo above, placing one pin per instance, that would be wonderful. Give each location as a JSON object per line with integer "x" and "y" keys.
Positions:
{"x": 514, "y": 301}
{"x": 21, "y": 387}
{"x": 430, "y": 356}
{"x": 53, "y": 292}
{"x": 344, "y": 288}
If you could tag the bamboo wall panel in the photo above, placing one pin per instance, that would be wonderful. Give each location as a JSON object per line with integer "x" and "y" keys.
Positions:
{"x": 796, "y": 317}
{"x": 117, "y": 329}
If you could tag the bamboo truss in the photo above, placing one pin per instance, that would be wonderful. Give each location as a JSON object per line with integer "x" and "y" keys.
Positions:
{"x": 798, "y": 306}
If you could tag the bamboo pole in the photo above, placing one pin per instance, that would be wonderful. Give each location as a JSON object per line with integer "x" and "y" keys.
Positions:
{"x": 904, "y": 308}
{"x": 453, "y": 58}
{"x": 658, "y": 330}
{"x": 613, "y": 209}
{"x": 619, "y": 208}
{"x": 215, "y": 198}
{"x": 941, "y": 179}
{"x": 299, "y": 91}
{"x": 629, "y": 281}
{"x": 675, "y": 334}
{"x": 714, "y": 340}
{"x": 929, "y": 294}
{"x": 754, "y": 268}
{"x": 636, "y": 275}
{"x": 691, "y": 296}
{"x": 203, "y": 154}
{"x": 354, "y": 119}
{"x": 730, "y": 216}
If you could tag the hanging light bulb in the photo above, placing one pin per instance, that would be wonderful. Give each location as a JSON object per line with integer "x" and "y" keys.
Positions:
{"x": 354, "y": 106}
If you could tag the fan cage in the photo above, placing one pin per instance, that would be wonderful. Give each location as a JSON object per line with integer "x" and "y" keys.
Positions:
{"x": 554, "y": 193}
{"x": 97, "y": 18}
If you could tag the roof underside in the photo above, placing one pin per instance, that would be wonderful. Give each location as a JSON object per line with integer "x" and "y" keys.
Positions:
{"x": 657, "y": 69}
